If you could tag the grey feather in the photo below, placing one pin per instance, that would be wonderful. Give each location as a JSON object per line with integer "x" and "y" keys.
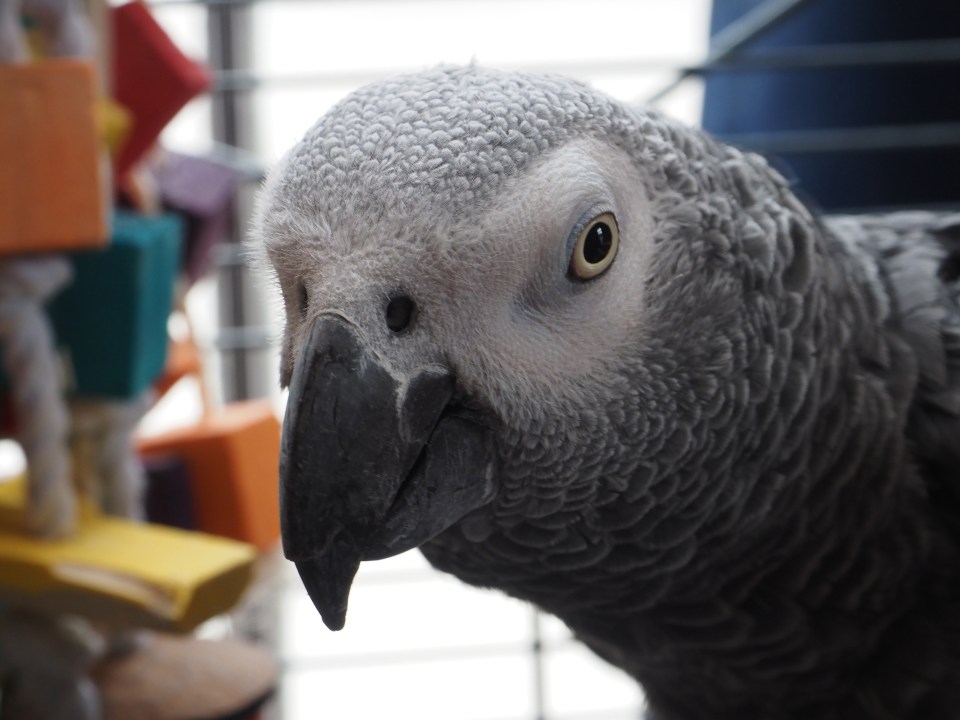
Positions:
{"x": 729, "y": 464}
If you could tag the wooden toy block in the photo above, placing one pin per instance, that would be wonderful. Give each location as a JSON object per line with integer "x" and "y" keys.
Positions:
{"x": 8, "y": 427}
{"x": 183, "y": 359}
{"x": 112, "y": 320}
{"x": 151, "y": 78}
{"x": 178, "y": 678}
{"x": 114, "y": 123}
{"x": 51, "y": 190}
{"x": 233, "y": 457}
{"x": 118, "y": 571}
{"x": 167, "y": 498}
{"x": 202, "y": 191}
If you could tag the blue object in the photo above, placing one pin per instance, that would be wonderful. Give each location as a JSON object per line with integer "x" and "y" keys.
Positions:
{"x": 111, "y": 321}
{"x": 764, "y": 101}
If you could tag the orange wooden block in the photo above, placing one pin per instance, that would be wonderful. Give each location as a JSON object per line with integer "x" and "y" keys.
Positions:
{"x": 183, "y": 359}
{"x": 51, "y": 194}
{"x": 233, "y": 457}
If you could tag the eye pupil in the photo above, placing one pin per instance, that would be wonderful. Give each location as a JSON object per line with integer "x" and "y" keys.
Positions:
{"x": 595, "y": 248}
{"x": 597, "y": 243}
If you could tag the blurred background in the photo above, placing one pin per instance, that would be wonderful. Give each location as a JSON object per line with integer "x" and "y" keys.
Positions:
{"x": 857, "y": 101}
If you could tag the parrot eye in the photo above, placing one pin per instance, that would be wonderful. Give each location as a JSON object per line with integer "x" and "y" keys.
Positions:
{"x": 596, "y": 247}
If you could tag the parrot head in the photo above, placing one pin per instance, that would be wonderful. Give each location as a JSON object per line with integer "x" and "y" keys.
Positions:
{"x": 482, "y": 276}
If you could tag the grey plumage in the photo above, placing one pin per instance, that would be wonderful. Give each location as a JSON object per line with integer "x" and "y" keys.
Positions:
{"x": 728, "y": 463}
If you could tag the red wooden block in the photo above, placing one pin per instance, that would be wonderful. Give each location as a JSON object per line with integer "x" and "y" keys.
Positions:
{"x": 233, "y": 457}
{"x": 151, "y": 78}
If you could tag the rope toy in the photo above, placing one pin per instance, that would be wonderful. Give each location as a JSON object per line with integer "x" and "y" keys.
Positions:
{"x": 107, "y": 466}
{"x": 32, "y": 365}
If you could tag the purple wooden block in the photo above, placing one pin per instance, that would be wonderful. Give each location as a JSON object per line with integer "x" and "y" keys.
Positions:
{"x": 202, "y": 191}
{"x": 168, "y": 498}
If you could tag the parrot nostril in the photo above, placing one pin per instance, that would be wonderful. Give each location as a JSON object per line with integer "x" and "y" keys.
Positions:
{"x": 400, "y": 313}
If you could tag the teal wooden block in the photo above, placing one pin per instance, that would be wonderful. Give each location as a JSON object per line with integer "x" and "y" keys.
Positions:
{"x": 112, "y": 320}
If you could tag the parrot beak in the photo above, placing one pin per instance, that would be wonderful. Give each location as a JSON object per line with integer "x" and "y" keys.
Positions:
{"x": 371, "y": 464}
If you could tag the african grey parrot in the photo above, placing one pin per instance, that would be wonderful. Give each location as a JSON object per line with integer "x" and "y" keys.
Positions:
{"x": 594, "y": 358}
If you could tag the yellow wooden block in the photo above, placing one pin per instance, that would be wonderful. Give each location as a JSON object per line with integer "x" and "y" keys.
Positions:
{"x": 119, "y": 571}
{"x": 113, "y": 124}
